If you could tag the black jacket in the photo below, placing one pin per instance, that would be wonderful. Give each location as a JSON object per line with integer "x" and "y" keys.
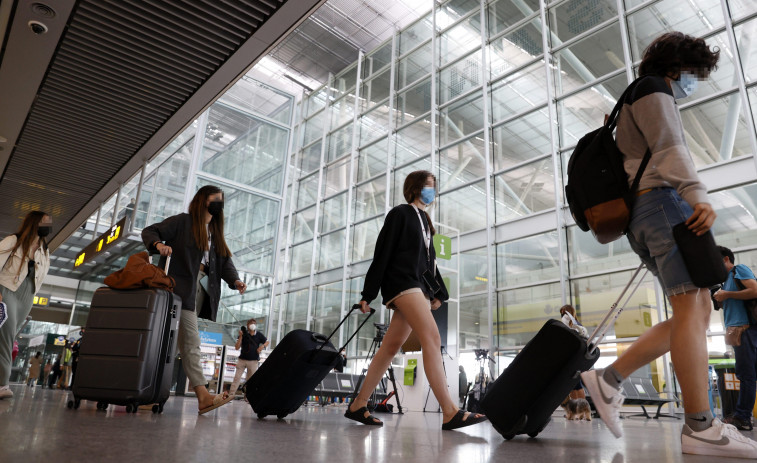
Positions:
{"x": 186, "y": 257}
{"x": 399, "y": 259}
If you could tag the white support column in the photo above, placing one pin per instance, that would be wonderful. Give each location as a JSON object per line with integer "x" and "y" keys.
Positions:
{"x": 391, "y": 140}
{"x": 557, "y": 174}
{"x": 491, "y": 295}
{"x": 434, "y": 109}
{"x": 97, "y": 222}
{"x": 138, "y": 196}
{"x": 624, "y": 38}
{"x": 113, "y": 216}
{"x": 319, "y": 197}
{"x": 730, "y": 131}
{"x": 292, "y": 149}
{"x": 350, "y": 196}
{"x": 194, "y": 163}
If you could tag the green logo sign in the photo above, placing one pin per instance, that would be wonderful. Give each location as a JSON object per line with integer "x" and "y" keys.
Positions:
{"x": 443, "y": 246}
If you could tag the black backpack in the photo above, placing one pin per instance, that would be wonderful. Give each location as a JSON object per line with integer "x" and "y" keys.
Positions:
{"x": 597, "y": 192}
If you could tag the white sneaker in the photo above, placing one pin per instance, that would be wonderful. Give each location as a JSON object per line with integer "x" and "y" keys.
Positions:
{"x": 719, "y": 440}
{"x": 5, "y": 391}
{"x": 607, "y": 400}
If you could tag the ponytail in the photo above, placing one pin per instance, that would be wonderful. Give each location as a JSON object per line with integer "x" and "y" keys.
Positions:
{"x": 430, "y": 225}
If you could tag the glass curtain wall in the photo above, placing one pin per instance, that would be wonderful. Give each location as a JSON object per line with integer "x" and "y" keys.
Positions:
{"x": 492, "y": 96}
{"x": 245, "y": 138}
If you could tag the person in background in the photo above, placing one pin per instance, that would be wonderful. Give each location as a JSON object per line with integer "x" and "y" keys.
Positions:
{"x": 54, "y": 374}
{"x": 75, "y": 347}
{"x": 65, "y": 366}
{"x": 404, "y": 269}
{"x": 738, "y": 287}
{"x": 670, "y": 193}
{"x": 24, "y": 261}
{"x": 35, "y": 365}
{"x": 251, "y": 342}
{"x": 46, "y": 373}
{"x": 200, "y": 259}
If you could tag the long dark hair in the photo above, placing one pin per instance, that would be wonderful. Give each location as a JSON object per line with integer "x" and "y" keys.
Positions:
{"x": 26, "y": 234}
{"x": 197, "y": 210}
{"x": 672, "y": 51}
{"x": 414, "y": 183}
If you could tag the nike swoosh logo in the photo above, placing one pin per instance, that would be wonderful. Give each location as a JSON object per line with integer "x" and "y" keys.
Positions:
{"x": 722, "y": 441}
{"x": 607, "y": 400}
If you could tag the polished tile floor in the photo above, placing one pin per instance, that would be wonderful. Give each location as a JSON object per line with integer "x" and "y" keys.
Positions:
{"x": 36, "y": 426}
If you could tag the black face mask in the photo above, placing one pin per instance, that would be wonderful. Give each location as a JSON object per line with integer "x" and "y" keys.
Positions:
{"x": 215, "y": 208}
{"x": 44, "y": 231}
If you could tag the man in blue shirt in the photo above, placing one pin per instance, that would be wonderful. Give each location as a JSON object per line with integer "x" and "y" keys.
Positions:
{"x": 739, "y": 287}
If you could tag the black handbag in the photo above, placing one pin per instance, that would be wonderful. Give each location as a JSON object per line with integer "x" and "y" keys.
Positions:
{"x": 701, "y": 256}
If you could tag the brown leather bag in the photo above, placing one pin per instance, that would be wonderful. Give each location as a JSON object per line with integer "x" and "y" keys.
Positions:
{"x": 733, "y": 334}
{"x": 140, "y": 273}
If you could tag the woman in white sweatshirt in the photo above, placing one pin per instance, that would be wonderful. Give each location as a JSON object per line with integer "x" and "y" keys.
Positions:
{"x": 24, "y": 262}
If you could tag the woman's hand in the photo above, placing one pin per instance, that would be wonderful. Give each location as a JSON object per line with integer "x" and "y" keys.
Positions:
{"x": 364, "y": 307}
{"x": 241, "y": 287}
{"x": 702, "y": 218}
{"x": 163, "y": 249}
{"x": 435, "y": 304}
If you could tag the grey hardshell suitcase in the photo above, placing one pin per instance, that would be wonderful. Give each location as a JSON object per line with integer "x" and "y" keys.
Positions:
{"x": 128, "y": 349}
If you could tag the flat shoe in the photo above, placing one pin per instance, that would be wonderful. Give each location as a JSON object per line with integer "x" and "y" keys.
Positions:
{"x": 218, "y": 401}
{"x": 359, "y": 416}
{"x": 459, "y": 421}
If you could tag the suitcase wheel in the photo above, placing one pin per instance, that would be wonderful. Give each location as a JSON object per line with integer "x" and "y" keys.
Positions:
{"x": 74, "y": 403}
{"x": 132, "y": 408}
{"x": 281, "y": 417}
{"x": 261, "y": 416}
{"x": 508, "y": 436}
{"x": 102, "y": 405}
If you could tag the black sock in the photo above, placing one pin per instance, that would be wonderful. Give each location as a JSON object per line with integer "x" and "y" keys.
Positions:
{"x": 699, "y": 421}
{"x": 612, "y": 377}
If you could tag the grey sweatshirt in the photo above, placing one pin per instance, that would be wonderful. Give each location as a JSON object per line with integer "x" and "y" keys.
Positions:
{"x": 650, "y": 118}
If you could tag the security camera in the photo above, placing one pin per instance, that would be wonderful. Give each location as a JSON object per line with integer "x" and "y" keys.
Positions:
{"x": 37, "y": 27}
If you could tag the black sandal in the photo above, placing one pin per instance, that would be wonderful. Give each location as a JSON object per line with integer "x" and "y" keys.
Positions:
{"x": 359, "y": 416}
{"x": 459, "y": 421}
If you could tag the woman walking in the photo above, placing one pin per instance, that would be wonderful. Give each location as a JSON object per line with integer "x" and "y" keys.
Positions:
{"x": 200, "y": 259}
{"x": 404, "y": 269}
{"x": 24, "y": 261}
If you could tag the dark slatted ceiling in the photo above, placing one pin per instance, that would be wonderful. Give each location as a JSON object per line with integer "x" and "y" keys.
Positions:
{"x": 121, "y": 70}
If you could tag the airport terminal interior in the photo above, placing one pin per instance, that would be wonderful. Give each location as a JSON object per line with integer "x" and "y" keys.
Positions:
{"x": 309, "y": 114}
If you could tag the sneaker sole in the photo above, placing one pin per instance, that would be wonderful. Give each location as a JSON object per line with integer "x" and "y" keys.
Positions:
{"x": 590, "y": 382}
{"x": 714, "y": 451}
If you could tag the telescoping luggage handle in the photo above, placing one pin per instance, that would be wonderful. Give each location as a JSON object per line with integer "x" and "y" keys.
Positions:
{"x": 354, "y": 307}
{"x": 615, "y": 310}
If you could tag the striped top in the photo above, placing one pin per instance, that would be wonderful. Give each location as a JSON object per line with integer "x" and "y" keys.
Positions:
{"x": 650, "y": 119}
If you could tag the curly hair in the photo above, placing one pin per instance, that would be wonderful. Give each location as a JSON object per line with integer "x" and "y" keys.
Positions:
{"x": 673, "y": 51}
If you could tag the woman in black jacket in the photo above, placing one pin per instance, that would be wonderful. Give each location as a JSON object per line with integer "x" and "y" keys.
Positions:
{"x": 404, "y": 268}
{"x": 198, "y": 253}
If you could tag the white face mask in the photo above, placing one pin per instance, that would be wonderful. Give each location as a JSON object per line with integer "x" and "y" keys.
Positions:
{"x": 252, "y": 326}
{"x": 686, "y": 85}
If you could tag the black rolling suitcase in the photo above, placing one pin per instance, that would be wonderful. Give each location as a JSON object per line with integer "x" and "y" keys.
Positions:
{"x": 523, "y": 398}
{"x": 293, "y": 370}
{"x": 128, "y": 350}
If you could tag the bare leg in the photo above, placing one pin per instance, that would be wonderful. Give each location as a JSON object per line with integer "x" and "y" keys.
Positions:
{"x": 684, "y": 336}
{"x": 416, "y": 309}
{"x": 395, "y": 336}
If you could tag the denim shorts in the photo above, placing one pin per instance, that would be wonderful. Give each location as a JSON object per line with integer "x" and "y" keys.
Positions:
{"x": 651, "y": 236}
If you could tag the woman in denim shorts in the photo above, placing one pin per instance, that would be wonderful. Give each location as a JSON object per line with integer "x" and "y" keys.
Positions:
{"x": 669, "y": 193}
